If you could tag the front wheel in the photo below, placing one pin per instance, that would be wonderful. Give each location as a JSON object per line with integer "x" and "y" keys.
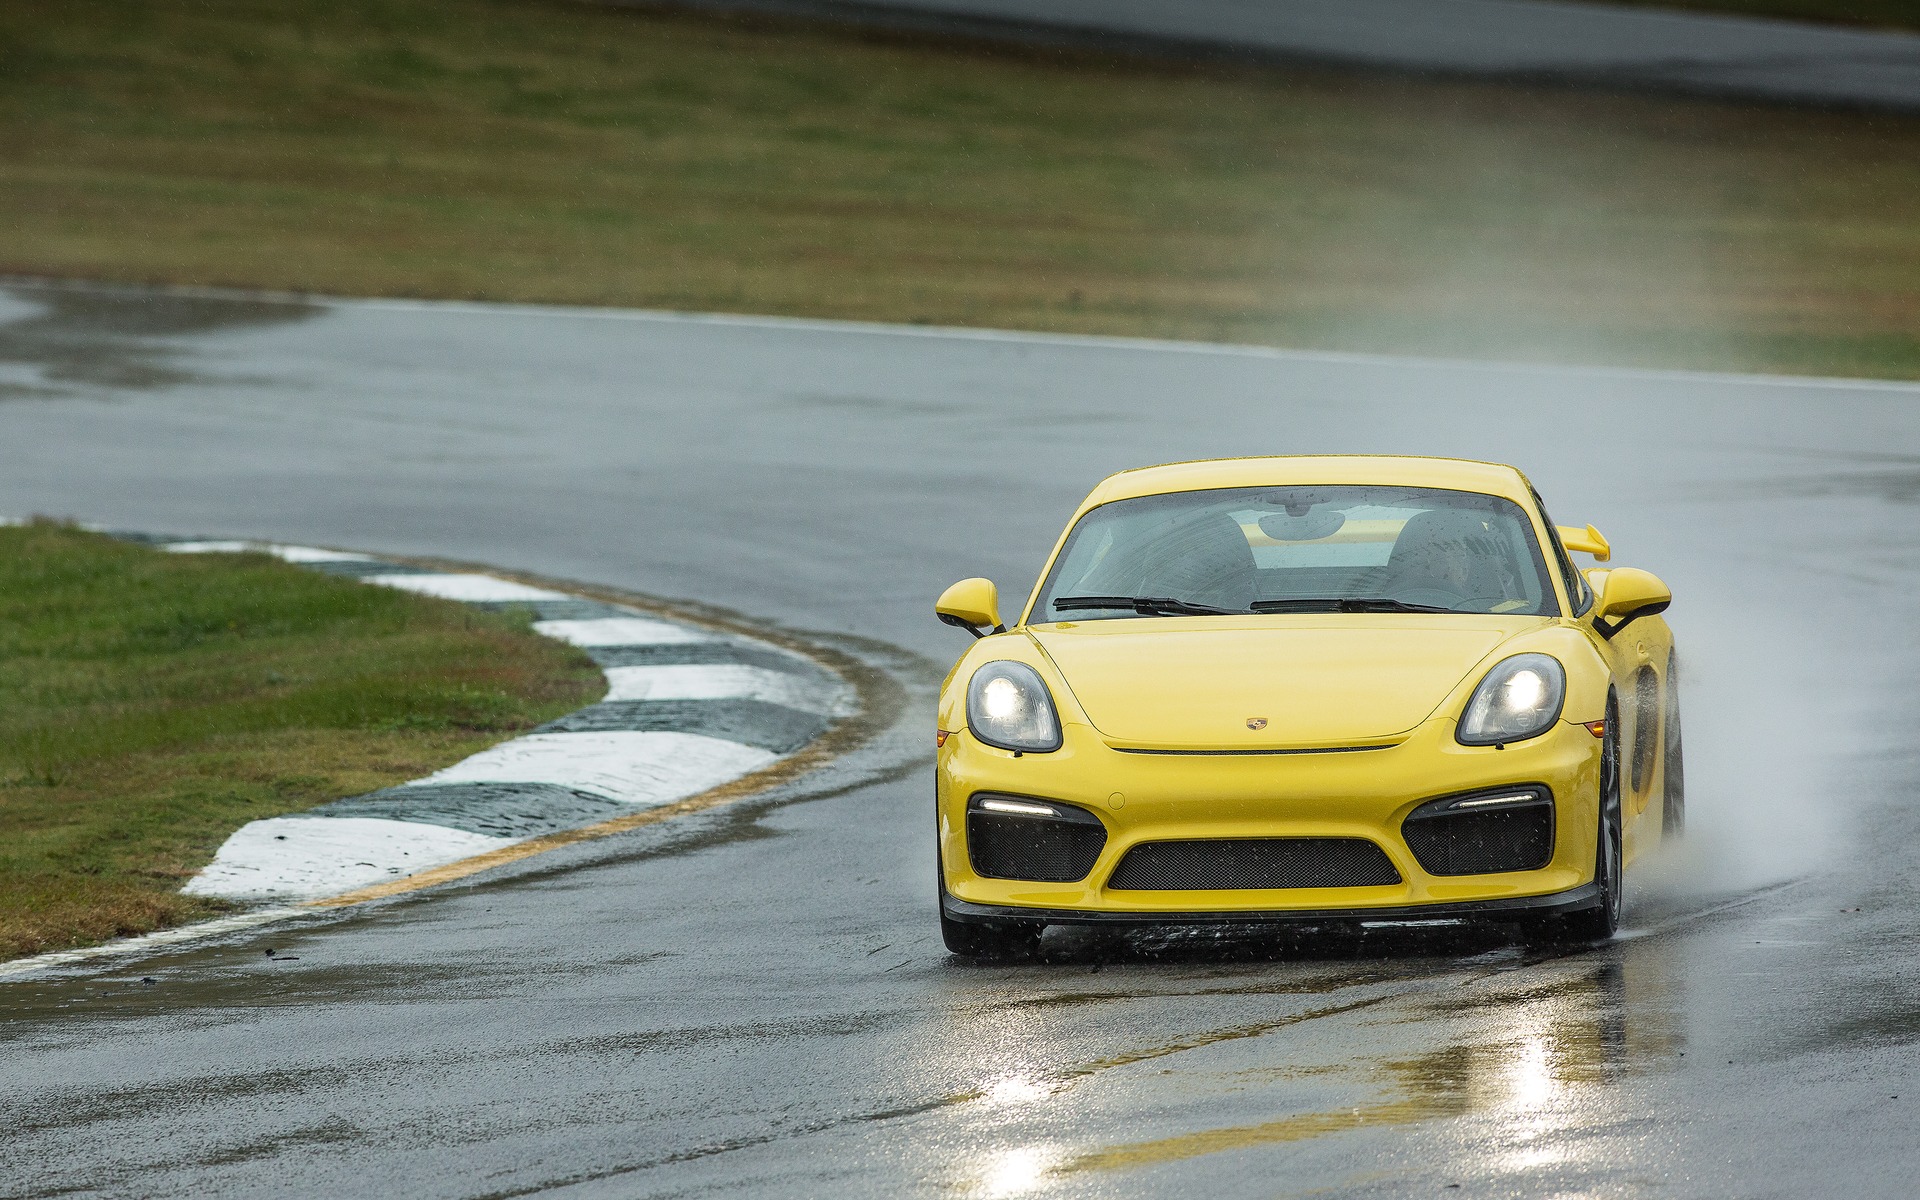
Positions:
{"x": 993, "y": 940}
{"x": 984, "y": 939}
{"x": 1602, "y": 920}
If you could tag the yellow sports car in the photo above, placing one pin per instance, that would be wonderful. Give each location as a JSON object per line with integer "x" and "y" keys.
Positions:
{"x": 1319, "y": 689}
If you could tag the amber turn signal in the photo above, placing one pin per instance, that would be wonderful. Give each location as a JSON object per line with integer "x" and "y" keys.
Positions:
{"x": 940, "y": 737}
{"x": 1597, "y": 728}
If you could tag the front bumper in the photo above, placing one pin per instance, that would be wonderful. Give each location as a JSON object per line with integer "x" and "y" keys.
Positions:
{"x": 1362, "y": 794}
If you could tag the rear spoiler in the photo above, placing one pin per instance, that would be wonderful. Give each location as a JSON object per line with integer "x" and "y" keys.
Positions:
{"x": 1588, "y": 540}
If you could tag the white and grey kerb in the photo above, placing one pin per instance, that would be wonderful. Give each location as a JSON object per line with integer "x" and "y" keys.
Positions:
{"x": 687, "y": 709}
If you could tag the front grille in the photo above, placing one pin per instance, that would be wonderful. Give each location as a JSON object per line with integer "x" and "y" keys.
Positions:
{"x": 1236, "y": 863}
{"x": 1056, "y": 848}
{"x": 1484, "y": 834}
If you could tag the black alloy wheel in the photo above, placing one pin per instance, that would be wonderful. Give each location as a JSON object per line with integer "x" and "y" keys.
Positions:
{"x": 1673, "y": 801}
{"x": 1600, "y": 921}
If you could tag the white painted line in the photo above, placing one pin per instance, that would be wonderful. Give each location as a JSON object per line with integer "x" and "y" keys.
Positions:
{"x": 720, "y": 681}
{"x": 313, "y": 554}
{"x": 305, "y": 858}
{"x": 148, "y": 942}
{"x": 642, "y": 768}
{"x": 620, "y": 631}
{"x": 474, "y": 589}
{"x": 211, "y": 547}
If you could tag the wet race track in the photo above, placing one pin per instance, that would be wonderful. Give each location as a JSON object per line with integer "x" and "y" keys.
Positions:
{"x": 756, "y": 1000}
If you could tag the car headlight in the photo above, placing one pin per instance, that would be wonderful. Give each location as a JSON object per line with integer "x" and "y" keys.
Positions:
{"x": 1520, "y": 698}
{"x": 1008, "y": 707}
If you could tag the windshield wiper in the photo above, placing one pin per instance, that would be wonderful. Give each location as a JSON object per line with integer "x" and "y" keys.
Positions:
{"x": 1146, "y": 606}
{"x": 1345, "y": 604}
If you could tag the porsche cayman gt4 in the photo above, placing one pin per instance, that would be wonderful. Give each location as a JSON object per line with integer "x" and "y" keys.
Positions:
{"x": 1317, "y": 689}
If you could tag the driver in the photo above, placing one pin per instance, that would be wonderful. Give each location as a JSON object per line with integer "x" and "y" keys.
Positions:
{"x": 1449, "y": 550}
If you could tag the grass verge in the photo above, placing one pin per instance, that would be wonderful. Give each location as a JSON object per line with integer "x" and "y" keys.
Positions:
{"x": 548, "y": 151}
{"x": 151, "y": 703}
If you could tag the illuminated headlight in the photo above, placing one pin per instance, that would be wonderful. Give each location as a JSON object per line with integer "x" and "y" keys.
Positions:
{"x": 1520, "y": 698}
{"x": 1008, "y": 707}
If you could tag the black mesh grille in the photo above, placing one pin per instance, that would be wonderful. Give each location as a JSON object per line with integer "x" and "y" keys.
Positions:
{"x": 1040, "y": 849}
{"x": 1481, "y": 841}
{"x": 1230, "y": 863}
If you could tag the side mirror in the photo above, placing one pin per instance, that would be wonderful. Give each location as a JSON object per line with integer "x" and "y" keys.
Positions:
{"x": 972, "y": 605}
{"x": 1627, "y": 595}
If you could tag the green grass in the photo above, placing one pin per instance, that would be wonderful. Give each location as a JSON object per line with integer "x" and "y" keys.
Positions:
{"x": 535, "y": 150}
{"x": 151, "y": 703}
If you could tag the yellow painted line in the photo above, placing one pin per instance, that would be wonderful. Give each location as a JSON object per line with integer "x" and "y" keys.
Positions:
{"x": 1300, "y": 1128}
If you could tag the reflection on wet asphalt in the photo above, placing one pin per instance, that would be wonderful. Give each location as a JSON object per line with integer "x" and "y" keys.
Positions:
{"x": 61, "y": 341}
{"x": 755, "y": 1000}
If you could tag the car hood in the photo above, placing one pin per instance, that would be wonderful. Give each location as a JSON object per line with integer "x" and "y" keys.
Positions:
{"x": 1196, "y": 683}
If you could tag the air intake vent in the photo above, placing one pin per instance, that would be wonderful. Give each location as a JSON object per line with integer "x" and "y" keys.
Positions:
{"x": 1229, "y": 864}
{"x": 1483, "y": 834}
{"x": 1017, "y": 837}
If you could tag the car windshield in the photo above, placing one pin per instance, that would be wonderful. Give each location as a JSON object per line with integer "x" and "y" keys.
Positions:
{"x": 1299, "y": 549}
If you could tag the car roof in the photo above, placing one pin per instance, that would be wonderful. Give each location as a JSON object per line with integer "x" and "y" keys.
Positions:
{"x": 1454, "y": 474}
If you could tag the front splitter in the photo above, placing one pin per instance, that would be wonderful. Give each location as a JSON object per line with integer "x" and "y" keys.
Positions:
{"x": 1586, "y": 896}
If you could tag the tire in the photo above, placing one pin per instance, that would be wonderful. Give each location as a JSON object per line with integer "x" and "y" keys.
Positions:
{"x": 984, "y": 939}
{"x": 1602, "y": 920}
{"x": 1673, "y": 801}
{"x": 992, "y": 941}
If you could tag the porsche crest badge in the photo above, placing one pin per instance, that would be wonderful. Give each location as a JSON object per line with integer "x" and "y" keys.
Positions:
{"x": 1256, "y": 722}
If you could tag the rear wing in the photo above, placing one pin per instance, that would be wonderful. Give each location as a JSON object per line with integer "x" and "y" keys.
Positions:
{"x": 1588, "y": 541}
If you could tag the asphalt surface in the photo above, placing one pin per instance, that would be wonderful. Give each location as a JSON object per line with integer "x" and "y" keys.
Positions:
{"x": 756, "y": 1002}
{"x": 1597, "y": 44}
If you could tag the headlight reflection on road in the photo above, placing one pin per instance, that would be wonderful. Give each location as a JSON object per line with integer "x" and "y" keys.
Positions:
{"x": 1015, "y": 1089}
{"x": 1020, "y": 1169}
{"x": 1530, "y": 1079}
{"x": 1531, "y": 1087}
{"x": 1016, "y": 1172}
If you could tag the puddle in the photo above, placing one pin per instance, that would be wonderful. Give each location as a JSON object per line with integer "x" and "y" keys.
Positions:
{"x": 1217, "y": 1036}
{"x": 1525, "y": 1050}
{"x": 72, "y": 341}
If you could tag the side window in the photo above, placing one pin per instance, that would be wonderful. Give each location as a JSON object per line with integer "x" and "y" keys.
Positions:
{"x": 1577, "y": 589}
